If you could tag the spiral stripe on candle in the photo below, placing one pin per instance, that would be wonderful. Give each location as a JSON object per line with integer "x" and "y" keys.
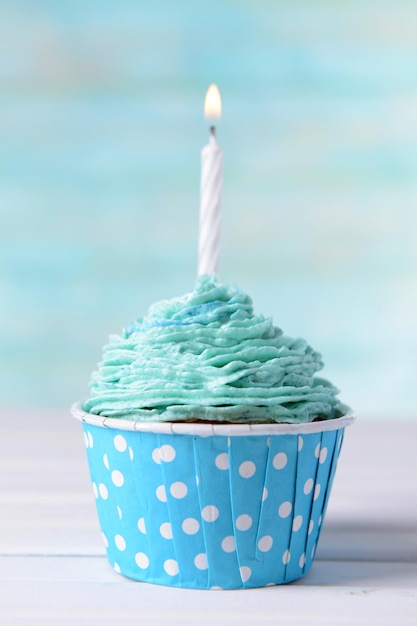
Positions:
{"x": 210, "y": 212}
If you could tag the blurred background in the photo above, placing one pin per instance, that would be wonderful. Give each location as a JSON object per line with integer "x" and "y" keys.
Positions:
{"x": 101, "y": 128}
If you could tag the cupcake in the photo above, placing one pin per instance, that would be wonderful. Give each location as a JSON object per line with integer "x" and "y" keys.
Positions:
{"x": 212, "y": 445}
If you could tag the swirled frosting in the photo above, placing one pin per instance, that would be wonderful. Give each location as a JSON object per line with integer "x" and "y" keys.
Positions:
{"x": 207, "y": 356}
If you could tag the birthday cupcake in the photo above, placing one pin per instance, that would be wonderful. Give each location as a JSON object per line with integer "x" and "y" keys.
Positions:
{"x": 212, "y": 444}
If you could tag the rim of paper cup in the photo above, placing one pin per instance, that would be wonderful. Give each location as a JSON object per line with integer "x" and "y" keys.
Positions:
{"x": 206, "y": 430}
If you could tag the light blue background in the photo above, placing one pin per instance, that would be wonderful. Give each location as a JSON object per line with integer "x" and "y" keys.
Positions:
{"x": 101, "y": 129}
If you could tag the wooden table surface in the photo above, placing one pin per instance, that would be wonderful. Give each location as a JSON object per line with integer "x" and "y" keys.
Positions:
{"x": 53, "y": 568}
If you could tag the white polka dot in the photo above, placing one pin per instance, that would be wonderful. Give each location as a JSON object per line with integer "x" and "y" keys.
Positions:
{"x": 285, "y": 509}
{"x": 216, "y": 588}
{"x": 190, "y": 526}
{"x": 200, "y": 561}
{"x": 178, "y": 490}
{"x": 264, "y": 494}
{"x": 210, "y": 513}
{"x": 229, "y": 442}
{"x": 166, "y": 530}
{"x": 116, "y": 567}
{"x": 297, "y": 523}
{"x": 280, "y": 460}
{"x": 95, "y": 490}
{"x": 90, "y": 439}
{"x": 171, "y": 567}
{"x": 117, "y": 478}
{"x": 265, "y": 543}
{"x": 119, "y": 512}
{"x": 286, "y": 557}
{"x": 247, "y": 469}
{"x": 106, "y": 461}
{"x": 105, "y": 540}
{"x": 228, "y": 544}
{"x": 302, "y": 560}
{"x": 222, "y": 461}
{"x": 86, "y": 443}
{"x": 161, "y": 494}
{"x": 142, "y": 560}
{"x": 131, "y": 453}
{"x": 323, "y": 455}
{"x": 308, "y": 486}
{"x": 141, "y": 525}
{"x": 120, "y": 443}
{"x": 197, "y": 480}
{"x": 317, "y": 450}
{"x": 300, "y": 443}
{"x": 245, "y": 573}
{"x": 243, "y": 522}
{"x": 317, "y": 490}
{"x": 167, "y": 453}
{"x": 156, "y": 457}
{"x": 310, "y": 527}
{"x": 120, "y": 542}
{"x": 103, "y": 491}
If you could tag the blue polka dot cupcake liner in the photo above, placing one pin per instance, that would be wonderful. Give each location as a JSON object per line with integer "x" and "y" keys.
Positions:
{"x": 210, "y": 506}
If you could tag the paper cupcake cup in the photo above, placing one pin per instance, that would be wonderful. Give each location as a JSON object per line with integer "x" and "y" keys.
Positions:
{"x": 211, "y": 506}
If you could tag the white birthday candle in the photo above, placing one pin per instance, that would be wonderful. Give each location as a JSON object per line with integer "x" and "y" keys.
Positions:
{"x": 210, "y": 192}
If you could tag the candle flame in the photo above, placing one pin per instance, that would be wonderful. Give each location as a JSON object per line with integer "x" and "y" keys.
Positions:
{"x": 213, "y": 102}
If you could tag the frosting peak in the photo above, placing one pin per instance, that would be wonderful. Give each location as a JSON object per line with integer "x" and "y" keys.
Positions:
{"x": 207, "y": 356}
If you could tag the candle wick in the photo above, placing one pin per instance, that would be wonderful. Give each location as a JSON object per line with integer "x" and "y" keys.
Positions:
{"x": 213, "y": 132}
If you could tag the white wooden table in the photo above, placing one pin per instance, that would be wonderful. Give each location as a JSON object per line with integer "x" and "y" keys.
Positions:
{"x": 53, "y": 569}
